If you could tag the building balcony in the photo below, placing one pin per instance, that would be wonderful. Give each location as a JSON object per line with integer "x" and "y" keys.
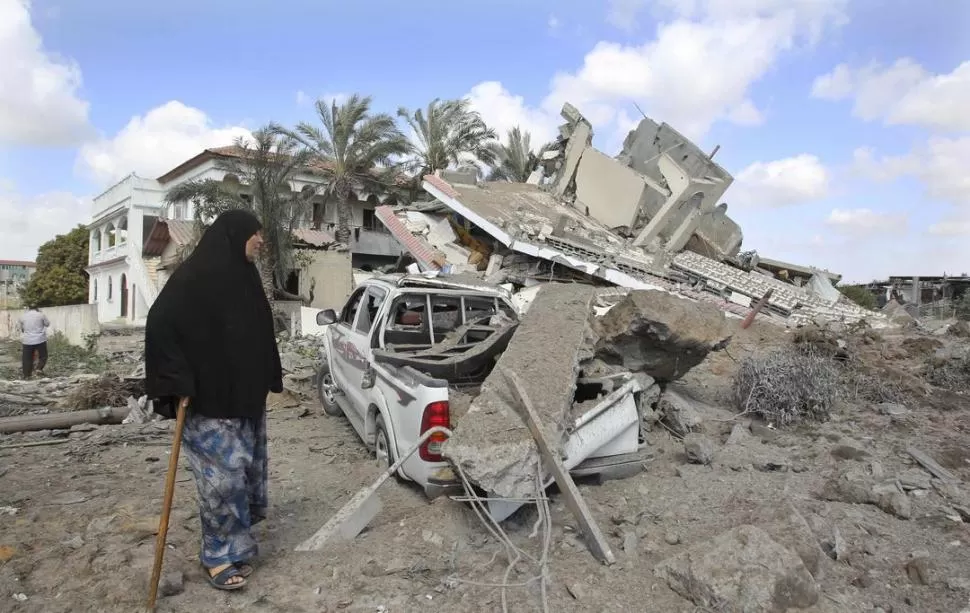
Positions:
{"x": 106, "y": 255}
{"x": 132, "y": 190}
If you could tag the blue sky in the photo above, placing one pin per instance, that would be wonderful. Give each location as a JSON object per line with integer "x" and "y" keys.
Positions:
{"x": 859, "y": 169}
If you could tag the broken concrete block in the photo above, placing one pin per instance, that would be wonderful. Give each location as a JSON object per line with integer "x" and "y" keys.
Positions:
{"x": 790, "y": 529}
{"x": 678, "y": 413}
{"x": 491, "y": 443}
{"x": 660, "y": 334}
{"x": 741, "y": 570}
{"x": 699, "y": 449}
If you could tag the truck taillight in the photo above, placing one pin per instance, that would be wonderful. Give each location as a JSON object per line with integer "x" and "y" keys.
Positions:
{"x": 435, "y": 414}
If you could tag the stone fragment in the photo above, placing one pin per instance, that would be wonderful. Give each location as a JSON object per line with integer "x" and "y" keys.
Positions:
{"x": 741, "y": 570}
{"x": 171, "y": 584}
{"x": 918, "y": 568}
{"x": 961, "y": 584}
{"x": 660, "y": 334}
{"x": 699, "y": 449}
{"x": 678, "y": 413}
{"x": 915, "y": 479}
{"x": 892, "y": 409}
{"x": 576, "y": 591}
{"x": 786, "y": 525}
{"x": 490, "y": 442}
{"x": 739, "y": 435}
{"x": 887, "y": 496}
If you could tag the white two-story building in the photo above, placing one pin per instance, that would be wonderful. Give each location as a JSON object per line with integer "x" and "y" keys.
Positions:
{"x": 123, "y": 264}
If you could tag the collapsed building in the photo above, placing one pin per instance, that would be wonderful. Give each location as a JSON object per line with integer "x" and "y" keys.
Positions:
{"x": 651, "y": 218}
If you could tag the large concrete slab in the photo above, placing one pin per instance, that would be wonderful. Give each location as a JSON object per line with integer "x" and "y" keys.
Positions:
{"x": 491, "y": 443}
{"x": 659, "y": 334}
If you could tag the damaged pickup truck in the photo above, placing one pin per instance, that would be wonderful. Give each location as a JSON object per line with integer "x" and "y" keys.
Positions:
{"x": 399, "y": 358}
{"x": 408, "y": 353}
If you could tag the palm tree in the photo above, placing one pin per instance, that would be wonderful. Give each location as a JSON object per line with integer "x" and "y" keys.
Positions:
{"x": 355, "y": 150}
{"x": 264, "y": 167}
{"x": 447, "y": 133}
{"x": 516, "y": 160}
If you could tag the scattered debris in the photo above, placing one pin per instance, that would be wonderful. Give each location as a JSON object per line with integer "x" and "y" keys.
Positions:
{"x": 491, "y": 444}
{"x": 105, "y": 391}
{"x": 741, "y": 570}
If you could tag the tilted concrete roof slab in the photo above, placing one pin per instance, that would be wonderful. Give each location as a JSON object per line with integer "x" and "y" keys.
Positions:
{"x": 523, "y": 218}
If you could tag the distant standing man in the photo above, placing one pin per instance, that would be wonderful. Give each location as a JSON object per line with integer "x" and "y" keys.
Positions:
{"x": 33, "y": 327}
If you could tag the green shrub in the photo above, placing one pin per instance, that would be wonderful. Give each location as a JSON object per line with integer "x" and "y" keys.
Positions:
{"x": 860, "y": 295}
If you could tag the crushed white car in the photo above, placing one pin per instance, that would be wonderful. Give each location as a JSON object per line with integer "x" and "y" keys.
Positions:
{"x": 394, "y": 352}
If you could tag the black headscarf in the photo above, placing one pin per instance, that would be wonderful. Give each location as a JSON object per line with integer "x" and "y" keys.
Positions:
{"x": 209, "y": 334}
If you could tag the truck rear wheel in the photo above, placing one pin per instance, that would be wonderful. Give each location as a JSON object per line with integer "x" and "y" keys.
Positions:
{"x": 327, "y": 391}
{"x": 382, "y": 445}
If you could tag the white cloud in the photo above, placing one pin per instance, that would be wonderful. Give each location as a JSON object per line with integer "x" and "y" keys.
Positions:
{"x": 954, "y": 226}
{"x": 154, "y": 143}
{"x": 503, "y": 111}
{"x": 39, "y": 99}
{"x": 940, "y": 165}
{"x": 724, "y": 46}
{"x": 554, "y": 23}
{"x": 862, "y": 222}
{"x": 904, "y": 93}
{"x": 623, "y": 13}
{"x": 785, "y": 182}
{"x": 304, "y": 99}
{"x": 30, "y": 221}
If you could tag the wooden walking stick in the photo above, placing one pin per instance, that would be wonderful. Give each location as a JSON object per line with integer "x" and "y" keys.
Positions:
{"x": 173, "y": 464}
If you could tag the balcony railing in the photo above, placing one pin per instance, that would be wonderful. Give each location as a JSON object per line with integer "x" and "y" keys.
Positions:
{"x": 110, "y": 253}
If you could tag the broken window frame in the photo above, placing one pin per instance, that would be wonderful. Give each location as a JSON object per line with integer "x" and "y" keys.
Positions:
{"x": 377, "y": 296}
{"x": 352, "y": 305}
{"x": 427, "y": 321}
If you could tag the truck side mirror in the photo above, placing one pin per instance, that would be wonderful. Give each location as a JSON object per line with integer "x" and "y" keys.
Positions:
{"x": 326, "y": 317}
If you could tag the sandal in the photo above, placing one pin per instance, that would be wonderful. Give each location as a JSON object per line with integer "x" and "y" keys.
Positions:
{"x": 221, "y": 580}
{"x": 244, "y": 569}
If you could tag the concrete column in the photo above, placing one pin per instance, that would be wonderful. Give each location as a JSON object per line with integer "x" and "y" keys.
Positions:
{"x": 658, "y": 222}
{"x": 679, "y": 185}
{"x": 678, "y": 240}
{"x": 580, "y": 139}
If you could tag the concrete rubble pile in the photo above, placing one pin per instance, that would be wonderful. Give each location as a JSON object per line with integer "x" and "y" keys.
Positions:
{"x": 571, "y": 362}
{"x": 299, "y": 357}
{"x": 651, "y": 218}
{"x": 39, "y": 395}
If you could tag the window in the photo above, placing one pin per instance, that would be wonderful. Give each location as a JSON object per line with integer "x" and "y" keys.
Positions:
{"x": 478, "y": 307}
{"x": 109, "y": 288}
{"x": 178, "y": 211}
{"x": 445, "y": 314}
{"x": 375, "y": 298}
{"x": 370, "y": 220}
{"x": 94, "y": 285}
{"x": 350, "y": 309}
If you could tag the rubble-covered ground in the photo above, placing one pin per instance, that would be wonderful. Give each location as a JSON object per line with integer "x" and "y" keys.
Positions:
{"x": 876, "y": 531}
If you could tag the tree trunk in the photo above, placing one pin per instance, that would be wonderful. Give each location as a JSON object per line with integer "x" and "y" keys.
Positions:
{"x": 265, "y": 267}
{"x": 344, "y": 213}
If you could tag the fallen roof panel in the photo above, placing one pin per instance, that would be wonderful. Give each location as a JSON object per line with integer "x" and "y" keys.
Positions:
{"x": 427, "y": 256}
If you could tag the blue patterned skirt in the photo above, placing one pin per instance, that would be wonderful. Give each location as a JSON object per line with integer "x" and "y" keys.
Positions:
{"x": 228, "y": 459}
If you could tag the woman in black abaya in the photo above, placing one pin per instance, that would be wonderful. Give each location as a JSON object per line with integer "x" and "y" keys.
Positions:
{"x": 210, "y": 338}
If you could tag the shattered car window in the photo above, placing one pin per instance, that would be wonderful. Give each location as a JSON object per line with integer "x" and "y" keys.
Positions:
{"x": 350, "y": 309}
{"x": 480, "y": 307}
{"x": 372, "y": 303}
{"x": 445, "y": 314}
